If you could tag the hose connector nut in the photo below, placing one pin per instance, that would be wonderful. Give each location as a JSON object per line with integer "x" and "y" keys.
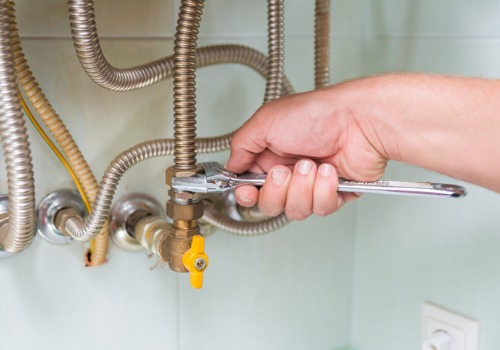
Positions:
{"x": 184, "y": 212}
{"x": 62, "y": 216}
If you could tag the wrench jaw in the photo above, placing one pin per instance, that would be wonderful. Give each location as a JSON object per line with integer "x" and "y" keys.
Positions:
{"x": 194, "y": 184}
{"x": 216, "y": 179}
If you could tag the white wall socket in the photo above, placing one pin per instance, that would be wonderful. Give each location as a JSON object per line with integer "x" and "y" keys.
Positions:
{"x": 463, "y": 331}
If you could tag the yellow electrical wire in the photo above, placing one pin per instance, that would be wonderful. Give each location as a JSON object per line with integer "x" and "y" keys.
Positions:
{"x": 56, "y": 151}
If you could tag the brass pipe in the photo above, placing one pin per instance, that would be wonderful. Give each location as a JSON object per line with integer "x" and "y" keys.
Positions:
{"x": 322, "y": 44}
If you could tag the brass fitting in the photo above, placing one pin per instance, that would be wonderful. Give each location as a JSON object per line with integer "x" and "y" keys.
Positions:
{"x": 62, "y": 216}
{"x": 184, "y": 209}
{"x": 178, "y": 240}
{"x": 191, "y": 210}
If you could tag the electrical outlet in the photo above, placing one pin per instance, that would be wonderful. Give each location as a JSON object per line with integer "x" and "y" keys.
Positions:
{"x": 464, "y": 332}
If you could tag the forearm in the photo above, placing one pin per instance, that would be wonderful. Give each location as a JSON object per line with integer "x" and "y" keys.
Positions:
{"x": 447, "y": 124}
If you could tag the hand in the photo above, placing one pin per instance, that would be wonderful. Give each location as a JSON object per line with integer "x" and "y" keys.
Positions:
{"x": 304, "y": 142}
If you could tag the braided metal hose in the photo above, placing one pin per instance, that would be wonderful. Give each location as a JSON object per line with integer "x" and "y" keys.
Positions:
{"x": 186, "y": 37}
{"x": 275, "y": 45}
{"x": 61, "y": 134}
{"x": 322, "y": 44}
{"x": 21, "y": 187}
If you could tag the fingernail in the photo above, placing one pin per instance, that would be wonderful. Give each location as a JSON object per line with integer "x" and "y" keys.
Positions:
{"x": 326, "y": 170}
{"x": 244, "y": 199}
{"x": 304, "y": 167}
{"x": 279, "y": 176}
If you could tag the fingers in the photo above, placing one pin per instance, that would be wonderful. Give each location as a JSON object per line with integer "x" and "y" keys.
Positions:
{"x": 299, "y": 201}
{"x": 273, "y": 195}
{"x": 307, "y": 190}
{"x": 247, "y": 196}
{"x": 326, "y": 200}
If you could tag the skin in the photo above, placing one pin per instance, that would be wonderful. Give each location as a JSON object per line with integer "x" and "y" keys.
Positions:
{"x": 304, "y": 142}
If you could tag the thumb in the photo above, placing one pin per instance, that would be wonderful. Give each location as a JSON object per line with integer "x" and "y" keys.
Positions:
{"x": 248, "y": 142}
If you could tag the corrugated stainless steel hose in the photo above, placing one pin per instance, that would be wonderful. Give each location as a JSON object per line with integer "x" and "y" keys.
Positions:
{"x": 322, "y": 44}
{"x": 88, "y": 49}
{"x": 93, "y": 61}
{"x": 84, "y": 231}
{"x": 61, "y": 134}
{"x": 186, "y": 37}
{"x": 21, "y": 188}
{"x": 91, "y": 57}
{"x": 242, "y": 228}
{"x": 275, "y": 44}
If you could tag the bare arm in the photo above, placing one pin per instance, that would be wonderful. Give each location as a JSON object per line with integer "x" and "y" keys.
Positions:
{"x": 447, "y": 124}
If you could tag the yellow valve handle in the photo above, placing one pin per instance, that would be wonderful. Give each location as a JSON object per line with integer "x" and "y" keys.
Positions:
{"x": 196, "y": 261}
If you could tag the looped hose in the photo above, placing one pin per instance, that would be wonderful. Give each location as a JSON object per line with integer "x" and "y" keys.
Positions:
{"x": 93, "y": 61}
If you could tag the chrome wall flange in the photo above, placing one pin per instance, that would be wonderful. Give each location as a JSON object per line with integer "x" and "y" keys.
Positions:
{"x": 126, "y": 213}
{"x": 50, "y": 206}
{"x": 4, "y": 219}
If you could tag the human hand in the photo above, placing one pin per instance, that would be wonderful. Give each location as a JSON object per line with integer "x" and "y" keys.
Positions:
{"x": 304, "y": 142}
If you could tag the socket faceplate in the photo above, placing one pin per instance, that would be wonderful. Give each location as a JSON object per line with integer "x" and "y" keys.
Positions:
{"x": 463, "y": 331}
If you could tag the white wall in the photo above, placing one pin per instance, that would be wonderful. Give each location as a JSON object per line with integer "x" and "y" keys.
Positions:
{"x": 290, "y": 289}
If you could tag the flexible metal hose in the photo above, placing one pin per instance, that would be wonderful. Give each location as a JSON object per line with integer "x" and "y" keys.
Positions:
{"x": 231, "y": 53}
{"x": 254, "y": 228}
{"x": 83, "y": 231}
{"x": 88, "y": 49}
{"x": 186, "y": 37}
{"x": 275, "y": 46}
{"x": 61, "y": 134}
{"x": 322, "y": 44}
{"x": 93, "y": 61}
{"x": 21, "y": 187}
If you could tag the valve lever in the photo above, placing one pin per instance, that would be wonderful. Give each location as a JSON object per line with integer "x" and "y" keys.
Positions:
{"x": 218, "y": 179}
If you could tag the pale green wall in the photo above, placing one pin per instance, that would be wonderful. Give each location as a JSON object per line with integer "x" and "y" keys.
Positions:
{"x": 408, "y": 250}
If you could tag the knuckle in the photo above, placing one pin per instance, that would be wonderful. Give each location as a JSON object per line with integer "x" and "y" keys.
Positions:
{"x": 271, "y": 212}
{"x": 296, "y": 215}
{"x": 323, "y": 212}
